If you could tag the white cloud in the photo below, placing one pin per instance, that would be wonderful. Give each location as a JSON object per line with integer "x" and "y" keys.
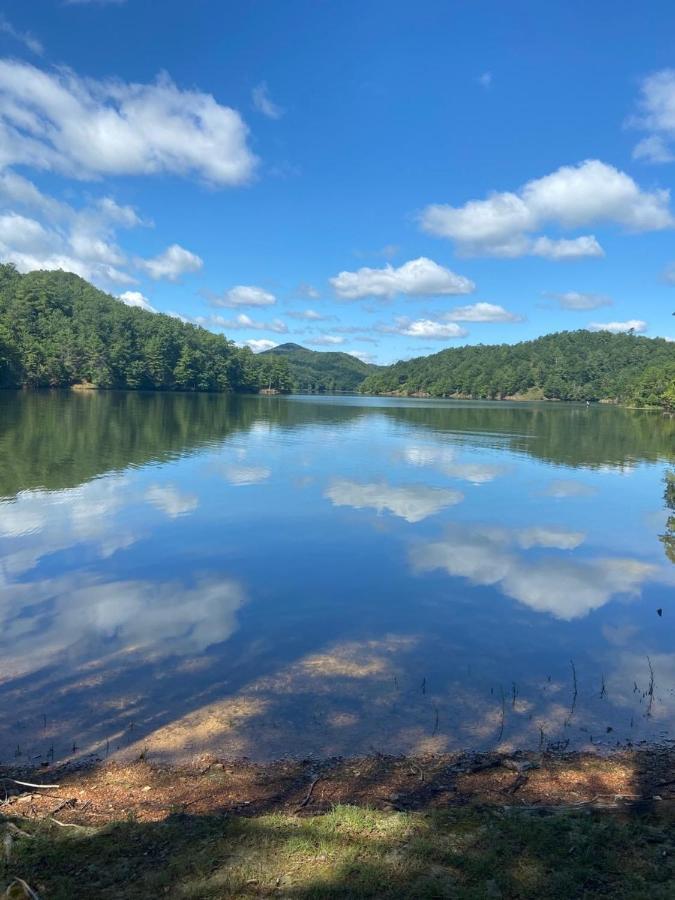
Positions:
{"x": 653, "y": 149}
{"x": 171, "y": 264}
{"x": 264, "y": 103}
{"x": 566, "y": 588}
{"x": 482, "y": 312}
{"x": 244, "y": 295}
{"x": 176, "y": 315}
{"x": 310, "y": 315}
{"x": 410, "y": 502}
{"x": 23, "y": 37}
{"x": 485, "y": 80}
{"x": 261, "y": 344}
{"x": 308, "y": 291}
{"x": 59, "y": 236}
{"x": 571, "y": 197}
{"x": 418, "y": 277}
{"x": 240, "y": 322}
{"x": 364, "y": 357}
{"x": 170, "y": 500}
{"x": 567, "y": 248}
{"x": 574, "y": 300}
{"x": 424, "y": 328}
{"x": 136, "y": 298}
{"x": 637, "y": 325}
{"x": 88, "y": 128}
{"x": 326, "y": 340}
{"x": 656, "y": 116}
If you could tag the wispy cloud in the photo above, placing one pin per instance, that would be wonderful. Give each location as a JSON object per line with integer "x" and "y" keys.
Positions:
{"x": 264, "y": 103}
{"x": 23, "y": 37}
{"x": 578, "y": 300}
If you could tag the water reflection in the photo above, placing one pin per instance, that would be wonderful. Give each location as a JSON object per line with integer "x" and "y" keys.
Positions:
{"x": 265, "y": 576}
{"x": 668, "y": 538}
{"x": 410, "y": 502}
{"x": 566, "y": 588}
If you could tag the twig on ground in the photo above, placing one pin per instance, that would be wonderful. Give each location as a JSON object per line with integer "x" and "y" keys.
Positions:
{"x": 309, "y": 793}
{"x": 29, "y": 784}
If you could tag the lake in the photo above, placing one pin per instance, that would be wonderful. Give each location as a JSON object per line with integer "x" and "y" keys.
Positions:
{"x": 271, "y": 576}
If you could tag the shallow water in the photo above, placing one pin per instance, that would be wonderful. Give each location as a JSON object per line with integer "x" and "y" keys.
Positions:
{"x": 315, "y": 576}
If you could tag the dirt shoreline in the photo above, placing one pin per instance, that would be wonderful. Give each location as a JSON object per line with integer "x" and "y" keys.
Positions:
{"x": 95, "y": 792}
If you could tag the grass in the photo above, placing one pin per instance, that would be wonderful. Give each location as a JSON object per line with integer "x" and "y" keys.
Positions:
{"x": 353, "y": 852}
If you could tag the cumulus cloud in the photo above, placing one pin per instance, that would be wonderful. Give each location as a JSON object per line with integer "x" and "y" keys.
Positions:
{"x": 416, "y": 278}
{"x": 23, "y": 37}
{"x": 243, "y": 295}
{"x": 482, "y": 312}
{"x": 424, "y": 328}
{"x": 40, "y": 232}
{"x": 571, "y": 197}
{"x": 637, "y": 325}
{"x": 264, "y": 103}
{"x": 566, "y": 248}
{"x": 656, "y": 115}
{"x": 136, "y": 298}
{"x": 578, "y": 300}
{"x": 87, "y": 128}
{"x": 410, "y": 502}
{"x": 260, "y": 344}
{"x": 171, "y": 264}
{"x": 240, "y": 322}
{"x": 565, "y": 588}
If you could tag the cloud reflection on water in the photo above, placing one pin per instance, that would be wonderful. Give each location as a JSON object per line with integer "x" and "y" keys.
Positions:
{"x": 564, "y": 587}
{"x": 412, "y": 502}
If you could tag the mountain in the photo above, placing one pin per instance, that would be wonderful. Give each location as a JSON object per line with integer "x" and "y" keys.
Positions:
{"x": 57, "y": 330}
{"x": 313, "y": 370}
{"x": 568, "y": 365}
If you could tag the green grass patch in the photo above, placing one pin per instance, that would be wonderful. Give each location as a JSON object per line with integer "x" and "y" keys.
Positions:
{"x": 351, "y": 852}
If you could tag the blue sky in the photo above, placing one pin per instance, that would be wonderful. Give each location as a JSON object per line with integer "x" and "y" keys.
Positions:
{"x": 384, "y": 178}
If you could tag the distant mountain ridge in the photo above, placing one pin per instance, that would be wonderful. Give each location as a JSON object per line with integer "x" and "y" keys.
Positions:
{"x": 313, "y": 370}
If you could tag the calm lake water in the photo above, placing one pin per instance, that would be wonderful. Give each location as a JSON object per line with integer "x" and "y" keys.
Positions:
{"x": 314, "y": 576}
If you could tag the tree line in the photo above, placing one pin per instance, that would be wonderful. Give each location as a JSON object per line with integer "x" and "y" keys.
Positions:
{"x": 568, "y": 365}
{"x": 57, "y": 330}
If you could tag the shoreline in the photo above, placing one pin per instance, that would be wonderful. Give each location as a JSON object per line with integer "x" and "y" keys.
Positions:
{"x": 94, "y": 791}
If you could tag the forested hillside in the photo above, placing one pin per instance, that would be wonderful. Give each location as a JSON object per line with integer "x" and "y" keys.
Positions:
{"x": 57, "y": 330}
{"x": 322, "y": 371}
{"x": 569, "y": 365}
